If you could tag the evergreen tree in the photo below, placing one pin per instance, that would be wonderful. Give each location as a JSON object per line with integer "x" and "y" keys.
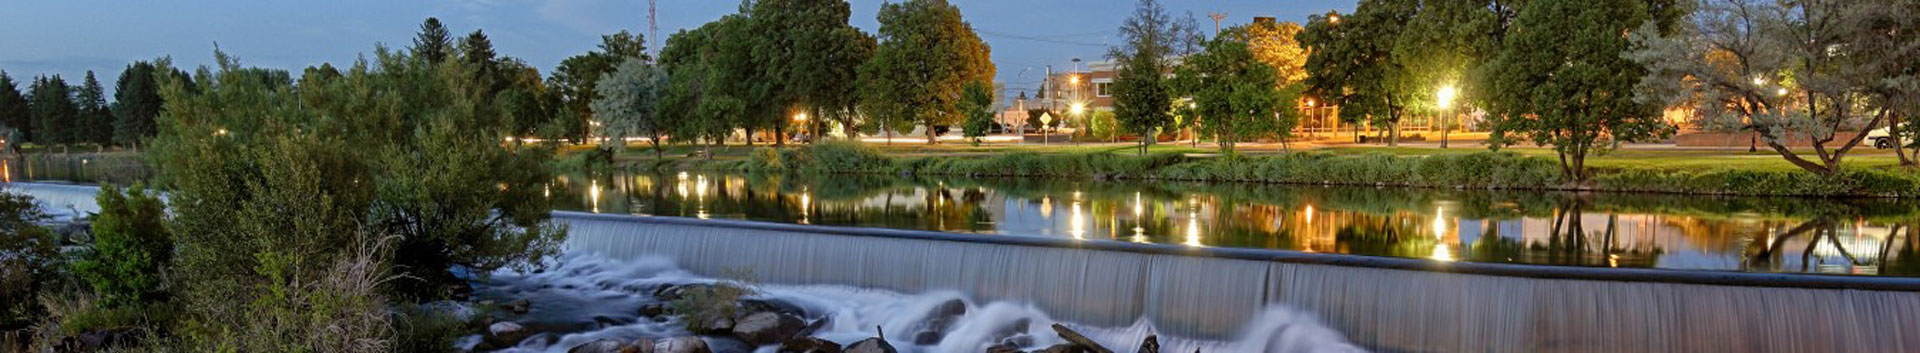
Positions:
{"x": 14, "y": 112}
{"x": 136, "y": 102}
{"x": 433, "y": 43}
{"x": 53, "y": 110}
{"x": 95, "y": 123}
{"x": 477, "y": 49}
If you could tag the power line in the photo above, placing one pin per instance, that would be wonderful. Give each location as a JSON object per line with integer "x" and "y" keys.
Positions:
{"x": 1038, "y": 39}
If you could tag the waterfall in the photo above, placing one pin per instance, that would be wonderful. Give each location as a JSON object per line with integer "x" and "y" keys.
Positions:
{"x": 1212, "y": 297}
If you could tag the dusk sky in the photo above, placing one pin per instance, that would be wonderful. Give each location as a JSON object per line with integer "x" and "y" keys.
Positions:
{"x": 71, "y": 37}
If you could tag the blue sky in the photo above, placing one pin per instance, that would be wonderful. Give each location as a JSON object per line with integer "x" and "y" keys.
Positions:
{"x": 69, "y": 37}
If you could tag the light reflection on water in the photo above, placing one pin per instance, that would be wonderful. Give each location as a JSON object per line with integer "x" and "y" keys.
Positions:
{"x": 1857, "y": 237}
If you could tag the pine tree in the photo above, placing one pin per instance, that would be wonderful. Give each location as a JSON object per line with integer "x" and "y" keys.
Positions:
{"x": 53, "y": 110}
{"x": 95, "y": 122}
{"x": 476, "y": 48}
{"x": 433, "y": 42}
{"x": 136, "y": 101}
{"x": 14, "y": 113}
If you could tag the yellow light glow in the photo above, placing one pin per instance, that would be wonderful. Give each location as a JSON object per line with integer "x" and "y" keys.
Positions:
{"x": 800, "y": 117}
{"x": 1439, "y": 223}
{"x": 1441, "y": 253}
{"x": 1075, "y": 79}
{"x": 1309, "y": 214}
{"x": 1333, "y": 18}
{"x": 1193, "y": 229}
{"x": 1079, "y": 223}
{"x": 593, "y": 193}
{"x": 1759, "y": 81}
{"x": 1079, "y": 108}
{"x": 1446, "y": 96}
{"x": 220, "y": 132}
{"x": 1781, "y": 92}
{"x": 1310, "y": 102}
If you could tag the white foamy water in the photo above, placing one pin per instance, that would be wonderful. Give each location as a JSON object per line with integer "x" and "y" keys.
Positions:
{"x": 587, "y": 297}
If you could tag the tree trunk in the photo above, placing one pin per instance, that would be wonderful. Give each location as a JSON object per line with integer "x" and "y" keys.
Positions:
{"x": 779, "y": 135}
{"x": 749, "y": 136}
{"x": 931, "y": 140}
{"x": 1893, "y": 135}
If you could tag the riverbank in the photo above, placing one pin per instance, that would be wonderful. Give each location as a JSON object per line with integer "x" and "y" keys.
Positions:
{"x": 1505, "y": 170}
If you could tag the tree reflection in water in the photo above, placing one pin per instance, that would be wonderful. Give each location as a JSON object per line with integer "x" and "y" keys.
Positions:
{"x": 1862, "y": 236}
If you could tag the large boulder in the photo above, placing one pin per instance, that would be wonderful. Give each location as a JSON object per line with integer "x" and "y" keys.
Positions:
{"x": 605, "y": 346}
{"x": 506, "y": 334}
{"x": 751, "y": 306}
{"x": 764, "y": 328}
{"x": 682, "y": 344}
{"x": 809, "y": 345}
{"x": 870, "y": 345}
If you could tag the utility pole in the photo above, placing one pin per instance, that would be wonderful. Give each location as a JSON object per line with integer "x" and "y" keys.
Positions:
{"x": 653, "y": 28}
{"x": 1217, "y": 17}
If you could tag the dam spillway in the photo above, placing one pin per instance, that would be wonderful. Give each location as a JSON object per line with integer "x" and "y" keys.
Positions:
{"x": 1387, "y": 304}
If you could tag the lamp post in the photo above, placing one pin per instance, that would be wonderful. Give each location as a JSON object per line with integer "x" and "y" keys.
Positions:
{"x": 1446, "y": 105}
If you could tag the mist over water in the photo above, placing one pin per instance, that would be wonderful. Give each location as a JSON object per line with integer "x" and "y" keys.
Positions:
{"x": 593, "y": 297}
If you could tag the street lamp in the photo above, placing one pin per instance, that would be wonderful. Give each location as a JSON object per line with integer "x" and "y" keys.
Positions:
{"x": 801, "y": 118}
{"x": 1446, "y": 102}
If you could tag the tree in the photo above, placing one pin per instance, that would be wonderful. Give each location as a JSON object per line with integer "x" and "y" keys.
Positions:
{"x": 976, "y": 104}
{"x": 477, "y": 49}
{"x": 1142, "y": 102}
{"x": 31, "y": 264}
{"x": 927, "y": 54}
{"x": 811, "y": 56}
{"x": 95, "y": 124}
{"x": 630, "y": 105}
{"x": 54, "y": 113}
{"x": 1786, "y": 71}
{"x": 1353, "y": 63}
{"x": 1234, "y": 94}
{"x": 573, "y": 82}
{"x": 131, "y": 248}
{"x": 434, "y": 42}
{"x": 700, "y": 111}
{"x": 1562, "y": 81}
{"x": 15, "y": 115}
{"x": 1275, "y": 44}
{"x": 136, "y": 101}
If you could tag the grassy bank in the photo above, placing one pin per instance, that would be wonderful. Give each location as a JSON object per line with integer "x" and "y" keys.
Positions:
{"x": 1462, "y": 170}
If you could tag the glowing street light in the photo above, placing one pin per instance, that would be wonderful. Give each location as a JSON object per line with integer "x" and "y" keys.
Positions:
{"x": 1781, "y": 92}
{"x": 1079, "y": 108}
{"x": 1333, "y": 18}
{"x": 800, "y": 117}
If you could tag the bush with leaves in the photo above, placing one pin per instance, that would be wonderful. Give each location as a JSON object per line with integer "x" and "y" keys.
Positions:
{"x": 29, "y": 256}
{"x": 131, "y": 248}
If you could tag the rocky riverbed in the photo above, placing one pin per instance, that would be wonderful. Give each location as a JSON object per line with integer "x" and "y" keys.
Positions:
{"x": 585, "y": 303}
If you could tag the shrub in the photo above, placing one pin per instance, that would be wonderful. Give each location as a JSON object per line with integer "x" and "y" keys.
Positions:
{"x": 702, "y": 304}
{"x": 29, "y": 259}
{"x": 131, "y": 248}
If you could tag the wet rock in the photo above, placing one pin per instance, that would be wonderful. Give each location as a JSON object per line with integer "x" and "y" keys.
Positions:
{"x": 938, "y": 321}
{"x": 506, "y": 334}
{"x": 521, "y": 306}
{"x": 728, "y": 344}
{"x": 870, "y": 345}
{"x": 672, "y": 292}
{"x": 1079, "y": 340}
{"x": 815, "y": 326}
{"x": 644, "y": 345}
{"x": 809, "y": 345}
{"x": 602, "y": 321}
{"x": 652, "y": 310}
{"x": 1064, "y": 348}
{"x": 766, "y": 328}
{"x": 1149, "y": 345}
{"x": 604, "y": 346}
{"x": 752, "y": 306}
{"x": 715, "y": 326}
{"x": 1017, "y": 340}
{"x": 1003, "y": 348}
{"x": 682, "y": 344}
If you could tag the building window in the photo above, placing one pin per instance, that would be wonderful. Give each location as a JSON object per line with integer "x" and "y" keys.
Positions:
{"x": 1100, "y": 89}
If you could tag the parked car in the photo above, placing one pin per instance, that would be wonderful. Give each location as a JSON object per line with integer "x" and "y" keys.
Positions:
{"x": 1882, "y": 137}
